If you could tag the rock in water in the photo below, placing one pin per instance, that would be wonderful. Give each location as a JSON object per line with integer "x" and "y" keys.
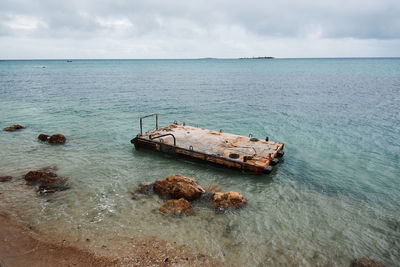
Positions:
{"x": 14, "y": 127}
{"x": 212, "y": 188}
{"x": 364, "y": 262}
{"x": 228, "y": 200}
{"x": 57, "y": 139}
{"x": 177, "y": 207}
{"x": 43, "y": 137}
{"x": 35, "y": 176}
{"x": 52, "y": 185}
{"x": 49, "y": 168}
{"x": 177, "y": 186}
{"x": 48, "y": 181}
{"x": 5, "y": 178}
{"x": 145, "y": 188}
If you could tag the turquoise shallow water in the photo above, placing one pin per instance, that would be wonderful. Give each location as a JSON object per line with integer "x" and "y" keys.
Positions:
{"x": 334, "y": 196}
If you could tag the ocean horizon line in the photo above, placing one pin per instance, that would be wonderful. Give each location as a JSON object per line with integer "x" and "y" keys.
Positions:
{"x": 200, "y": 58}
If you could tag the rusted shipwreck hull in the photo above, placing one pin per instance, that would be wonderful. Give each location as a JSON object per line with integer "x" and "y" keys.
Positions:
{"x": 229, "y": 150}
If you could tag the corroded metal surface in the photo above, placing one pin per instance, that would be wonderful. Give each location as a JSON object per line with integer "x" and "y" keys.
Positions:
{"x": 225, "y": 149}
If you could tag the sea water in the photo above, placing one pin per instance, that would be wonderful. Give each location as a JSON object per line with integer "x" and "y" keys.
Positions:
{"x": 333, "y": 197}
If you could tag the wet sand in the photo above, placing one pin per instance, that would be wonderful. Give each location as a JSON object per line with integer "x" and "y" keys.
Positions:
{"x": 21, "y": 246}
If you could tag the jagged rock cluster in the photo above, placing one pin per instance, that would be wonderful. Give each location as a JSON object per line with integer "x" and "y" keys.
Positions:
{"x": 46, "y": 180}
{"x": 53, "y": 139}
{"x": 177, "y": 186}
{"x": 180, "y": 191}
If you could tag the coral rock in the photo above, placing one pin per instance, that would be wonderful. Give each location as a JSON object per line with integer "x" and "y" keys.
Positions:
{"x": 43, "y": 137}
{"x": 5, "y": 178}
{"x": 57, "y": 139}
{"x": 13, "y": 128}
{"x": 35, "y": 176}
{"x": 177, "y": 207}
{"x": 228, "y": 200}
{"x": 364, "y": 262}
{"x": 178, "y": 186}
{"x": 48, "y": 181}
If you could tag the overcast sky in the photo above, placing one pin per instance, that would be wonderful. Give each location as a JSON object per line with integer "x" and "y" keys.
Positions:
{"x": 198, "y": 28}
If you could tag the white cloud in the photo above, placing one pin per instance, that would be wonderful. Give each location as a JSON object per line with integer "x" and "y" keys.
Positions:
{"x": 198, "y": 28}
{"x": 22, "y": 22}
{"x": 114, "y": 23}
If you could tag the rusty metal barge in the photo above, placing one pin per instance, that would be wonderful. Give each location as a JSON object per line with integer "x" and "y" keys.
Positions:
{"x": 239, "y": 152}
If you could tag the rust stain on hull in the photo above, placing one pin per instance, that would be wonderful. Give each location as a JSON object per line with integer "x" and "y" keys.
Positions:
{"x": 229, "y": 150}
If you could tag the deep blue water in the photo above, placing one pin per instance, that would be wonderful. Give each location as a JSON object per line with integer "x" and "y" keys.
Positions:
{"x": 339, "y": 120}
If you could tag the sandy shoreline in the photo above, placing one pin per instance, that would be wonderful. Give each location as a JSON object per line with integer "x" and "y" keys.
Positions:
{"x": 21, "y": 246}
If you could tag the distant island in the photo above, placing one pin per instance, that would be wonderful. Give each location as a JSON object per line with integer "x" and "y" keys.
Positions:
{"x": 256, "y": 58}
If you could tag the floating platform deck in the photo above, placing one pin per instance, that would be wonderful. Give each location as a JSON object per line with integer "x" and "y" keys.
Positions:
{"x": 229, "y": 150}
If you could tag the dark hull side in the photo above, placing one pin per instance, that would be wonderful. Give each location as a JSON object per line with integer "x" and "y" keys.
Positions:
{"x": 141, "y": 143}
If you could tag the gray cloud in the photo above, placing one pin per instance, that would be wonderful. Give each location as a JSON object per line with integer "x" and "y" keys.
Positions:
{"x": 175, "y": 26}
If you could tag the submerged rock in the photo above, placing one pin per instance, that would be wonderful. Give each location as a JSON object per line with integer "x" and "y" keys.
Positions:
{"x": 52, "y": 180}
{"x": 36, "y": 176}
{"x": 177, "y": 207}
{"x": 364, "y": 262}
{"x": 145, "y": 188}
{"x": 47, "y": 181}
{"x": 5, "y": 178}
{"x": 57, "y": 139}
{"x": 47, "y": 189}
{"x": 177, "y": 186}
{"x": 14, "y": 127}
{"x": 49, "y": 168}
{"x": 228, "y": 200}
{"x": 52, "y": 185}
{"x": 43, "y": 137}
{"x": 212, "y": 188}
